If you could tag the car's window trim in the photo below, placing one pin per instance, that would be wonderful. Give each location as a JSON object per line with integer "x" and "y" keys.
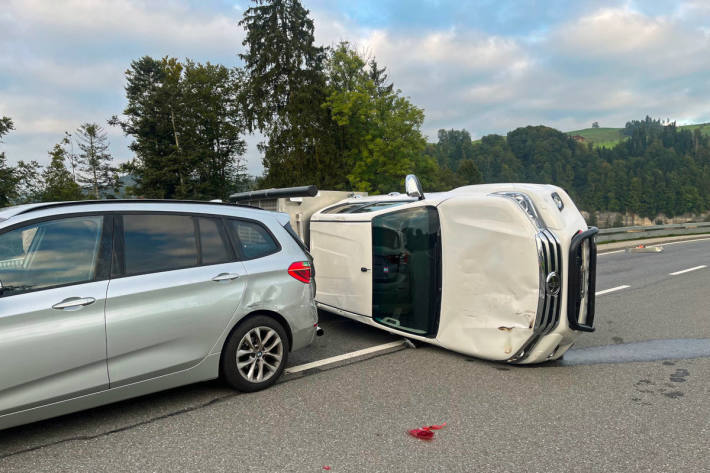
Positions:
{"x": 101, "y": 271}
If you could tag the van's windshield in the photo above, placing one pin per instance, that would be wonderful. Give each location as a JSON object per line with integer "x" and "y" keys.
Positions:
{"x": 406, "y": 275}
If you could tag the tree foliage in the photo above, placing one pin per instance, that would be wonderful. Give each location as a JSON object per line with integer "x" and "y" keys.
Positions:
{"x": 657, "y": 170}
{"x": 58, "y": 182}
{"x": 377, "y": 137}
{"x": 186, "y": 125}
{"x": 94, "y": 160}
{"x": 8, "y": 179}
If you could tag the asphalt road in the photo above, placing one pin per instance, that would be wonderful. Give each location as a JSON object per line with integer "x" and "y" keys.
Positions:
{"x": 632, "y": 396}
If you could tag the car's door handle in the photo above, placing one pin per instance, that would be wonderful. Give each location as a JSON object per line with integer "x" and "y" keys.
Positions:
{"x": 225, "y": 277}
{"x": 74, "y": 303}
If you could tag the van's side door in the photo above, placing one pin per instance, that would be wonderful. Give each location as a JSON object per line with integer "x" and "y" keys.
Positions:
{"x": 175, "y": 286}
{"x": 343, "y": 262}
{"x": 54, "y": 275}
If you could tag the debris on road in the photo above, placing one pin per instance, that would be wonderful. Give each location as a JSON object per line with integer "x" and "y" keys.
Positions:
{"x": 426, "y": 432}
{"x": 645, "y": 249}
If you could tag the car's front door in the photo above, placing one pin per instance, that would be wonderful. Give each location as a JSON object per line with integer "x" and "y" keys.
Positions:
{"x": 174, "y": 288}
{"x": 52, "y": 328}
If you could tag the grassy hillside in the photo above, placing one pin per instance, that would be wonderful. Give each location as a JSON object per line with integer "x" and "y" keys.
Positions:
{"x": 608, "y": 137}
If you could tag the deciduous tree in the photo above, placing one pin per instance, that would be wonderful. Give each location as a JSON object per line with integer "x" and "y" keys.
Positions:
{"x": 58, "y": 182}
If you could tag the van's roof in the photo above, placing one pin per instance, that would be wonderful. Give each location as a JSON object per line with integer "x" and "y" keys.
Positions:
{"x": 362, "y": 208}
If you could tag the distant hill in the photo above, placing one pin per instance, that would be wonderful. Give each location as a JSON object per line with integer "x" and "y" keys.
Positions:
{"x": 608, "y": 137}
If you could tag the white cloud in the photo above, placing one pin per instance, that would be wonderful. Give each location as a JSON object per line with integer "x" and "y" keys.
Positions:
{"x": 63, "y": 63}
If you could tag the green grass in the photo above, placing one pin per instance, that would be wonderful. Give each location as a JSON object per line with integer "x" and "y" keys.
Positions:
{"x": 604, "y": 137}
{"x": 704, "y": 128}
{"x": 609, "y": 137}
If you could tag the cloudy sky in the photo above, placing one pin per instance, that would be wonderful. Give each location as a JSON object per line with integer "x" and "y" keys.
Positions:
{"x": 487, "y": 65}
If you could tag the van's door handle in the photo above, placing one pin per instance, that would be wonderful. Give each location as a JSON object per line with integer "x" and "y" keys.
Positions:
{"x": 225, "y": 277}
{"x": 74, "y": 303}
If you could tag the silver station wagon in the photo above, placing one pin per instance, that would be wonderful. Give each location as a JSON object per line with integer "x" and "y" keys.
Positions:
{"x": 103, "y": 301}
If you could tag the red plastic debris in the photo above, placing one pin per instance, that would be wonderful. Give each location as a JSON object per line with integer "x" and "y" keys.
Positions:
{"x": 422, "y": 434}
{"x": 426, "y": 432}
{"x": 326, "y": 467}
{"x": 434, "y": 427}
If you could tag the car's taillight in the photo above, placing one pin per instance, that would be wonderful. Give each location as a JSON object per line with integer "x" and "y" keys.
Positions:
{"x": 301, "y": 270}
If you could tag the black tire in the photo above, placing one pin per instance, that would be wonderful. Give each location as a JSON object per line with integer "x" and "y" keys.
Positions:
{"x": 244, "y": 376}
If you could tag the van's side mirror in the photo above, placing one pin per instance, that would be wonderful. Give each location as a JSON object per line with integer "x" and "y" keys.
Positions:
{"x": 0, "y": 288}
{"x": 413, "y": 187}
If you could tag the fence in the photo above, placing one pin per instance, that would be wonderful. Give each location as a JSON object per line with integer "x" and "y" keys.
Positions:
{"x": 638, "y": 232}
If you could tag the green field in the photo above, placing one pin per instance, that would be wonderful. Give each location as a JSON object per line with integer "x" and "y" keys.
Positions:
{"x": 604, "y": 137}
{"x": 608, "y": 137}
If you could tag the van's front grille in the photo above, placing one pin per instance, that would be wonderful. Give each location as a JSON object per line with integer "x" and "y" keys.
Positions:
{"x": 550, "y": 266}
{"x": 549, "y": 252}
{"x": 582, "y": 280}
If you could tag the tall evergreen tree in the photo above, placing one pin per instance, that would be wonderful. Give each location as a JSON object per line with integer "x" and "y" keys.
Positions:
{"x": 284, "y": 89}
{"x": 94, "y": 159}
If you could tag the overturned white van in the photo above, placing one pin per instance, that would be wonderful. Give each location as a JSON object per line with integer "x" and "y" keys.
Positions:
{"x": 498, "y": 271}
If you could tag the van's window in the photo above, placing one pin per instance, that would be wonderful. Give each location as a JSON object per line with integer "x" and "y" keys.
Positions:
{"x": 374, "y": 207}
{"x": 254, "y": 240}
{"x": 50, "y": 253}
{"x": 406, "y": 270}
{"x": 213, "y": 241}
{"x": 363, "y": 207}
{"x": 154, "y": 243}
{"x": 343, "y": 208}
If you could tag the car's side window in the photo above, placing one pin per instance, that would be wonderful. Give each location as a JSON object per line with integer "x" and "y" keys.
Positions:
{"x": 254, "y": 240}
{"x": 50, "y": 253}
{"x": 158, "y": 242}
{"x": 214, "y": 246}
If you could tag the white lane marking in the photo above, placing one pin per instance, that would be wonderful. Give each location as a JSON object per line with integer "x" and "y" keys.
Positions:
{"x": 610, "y": 252}
{"x": 613, "y": 289}
{"x": 345, "y": 356}
{"x": 684, "y": 241}
{"x": 688, "y": 270}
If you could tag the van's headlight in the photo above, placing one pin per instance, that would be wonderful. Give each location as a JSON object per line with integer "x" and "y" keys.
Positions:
{"x": 526, "y": 204}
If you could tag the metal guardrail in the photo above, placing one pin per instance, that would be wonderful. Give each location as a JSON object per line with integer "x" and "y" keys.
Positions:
{"x": 638, "y": 232}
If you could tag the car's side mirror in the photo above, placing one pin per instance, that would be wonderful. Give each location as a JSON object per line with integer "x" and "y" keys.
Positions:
{"x": 413, "y": 187}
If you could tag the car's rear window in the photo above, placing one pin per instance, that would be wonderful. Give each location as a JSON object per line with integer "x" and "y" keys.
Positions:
{"x": 253, "y": 239}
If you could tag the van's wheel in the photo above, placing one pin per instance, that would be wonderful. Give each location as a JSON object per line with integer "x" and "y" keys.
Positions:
{"x": 255, "y": 354}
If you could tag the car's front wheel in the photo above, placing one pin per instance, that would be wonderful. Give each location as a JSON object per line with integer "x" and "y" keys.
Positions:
{"x": 255, "y": 354}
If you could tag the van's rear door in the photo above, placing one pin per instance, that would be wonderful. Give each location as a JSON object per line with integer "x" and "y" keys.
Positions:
{"x": 342, "y": 256}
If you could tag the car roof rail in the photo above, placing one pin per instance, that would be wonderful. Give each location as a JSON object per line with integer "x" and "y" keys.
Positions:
{"x": 51, "y": 205}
